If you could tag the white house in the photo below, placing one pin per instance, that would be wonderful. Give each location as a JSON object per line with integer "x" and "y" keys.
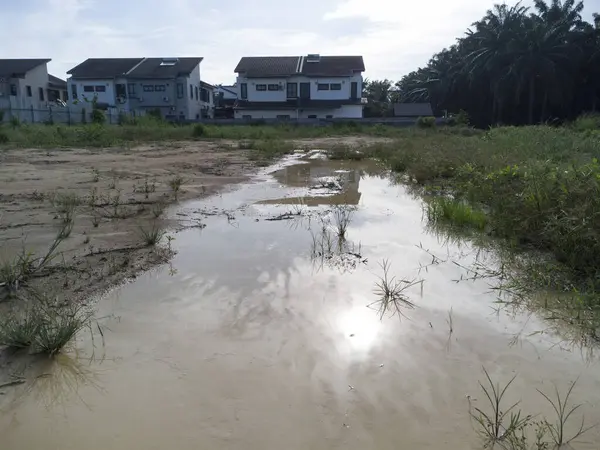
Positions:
{"x": 169, "y": 85}
{"x": 303, "y": 87}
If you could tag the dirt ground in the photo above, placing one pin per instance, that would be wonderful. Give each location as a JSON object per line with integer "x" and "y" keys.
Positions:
{"x": 119, "y": 191}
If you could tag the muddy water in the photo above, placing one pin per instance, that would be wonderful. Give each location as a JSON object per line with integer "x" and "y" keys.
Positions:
{"x": 259, "y": 337}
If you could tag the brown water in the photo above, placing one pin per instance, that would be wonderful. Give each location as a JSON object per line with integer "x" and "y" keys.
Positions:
{"x": 251, "y": 341}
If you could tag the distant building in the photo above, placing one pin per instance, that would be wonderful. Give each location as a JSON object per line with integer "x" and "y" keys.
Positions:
{"x": 207, "y": 100}
{"x": 225, "y": 100}
{"x": 299, "y": 87}
{"x": 412, "y": 110}
{"x": 171, "y": 86}
{"x": 26, "y": 84}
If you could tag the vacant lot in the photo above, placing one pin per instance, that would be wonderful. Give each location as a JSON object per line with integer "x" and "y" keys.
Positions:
{"x": 108, "y": 199}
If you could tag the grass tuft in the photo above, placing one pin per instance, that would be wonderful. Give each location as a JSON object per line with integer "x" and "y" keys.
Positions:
{"x": 153, "y": 235}
{"x": 459, "y": 213}
{"x": 391, "y": 292}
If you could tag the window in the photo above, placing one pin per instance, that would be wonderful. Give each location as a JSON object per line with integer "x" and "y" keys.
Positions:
{"x": 131, "y": 89}
{"x": 335, "y": 86}
{"x": 283, "y": 117}
{"x": 13, "y": 89}
{"x": 312, "y": 116}
{"x": 191, "y": 92}
{"x": 205, "y": 95}
{"x": 244, "y": 91}
{"x": 120, "y": 90}
{"x": 273, "y": 87}
{"x": 196, "y": 92}
{"x": 322, "y": 87}
{"x": 100, "y": 88}
{"x": 179, "y": 90}
{"x": 28, "y": 88}
{"x": 292, "y": 90}
{"x": 88, "y": 89}
{"x": 41, "y": 92}
{"x": 261, "y": 87}
{"x": 73, "y": 91}
{"x": 160, "y": 88}
{"x": 148, "y": 88}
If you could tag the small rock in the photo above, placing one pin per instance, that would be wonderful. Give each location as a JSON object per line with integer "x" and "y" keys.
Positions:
{"x": 352, "y": 335}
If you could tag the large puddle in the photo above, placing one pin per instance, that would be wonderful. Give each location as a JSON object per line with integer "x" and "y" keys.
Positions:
{"x": 266, "y": 334}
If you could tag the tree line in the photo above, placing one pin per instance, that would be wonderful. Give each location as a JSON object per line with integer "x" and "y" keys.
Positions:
{"x": 516, "y": 65}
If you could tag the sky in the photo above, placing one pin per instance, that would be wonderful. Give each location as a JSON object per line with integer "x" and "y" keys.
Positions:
{"x": 395, "y": 37}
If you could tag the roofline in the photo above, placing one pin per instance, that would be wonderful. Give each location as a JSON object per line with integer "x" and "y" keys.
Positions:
{"x": 226, "y": 89}
{"x": 20, "y": 74}
{"x": 204, "y": 83}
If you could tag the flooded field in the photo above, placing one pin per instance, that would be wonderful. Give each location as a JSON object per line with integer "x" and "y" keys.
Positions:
{"x": 266, "y": 331}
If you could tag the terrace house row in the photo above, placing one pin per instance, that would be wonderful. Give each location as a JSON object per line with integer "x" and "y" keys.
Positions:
{"x": 299, "y": 87}
{"x": 172, "y": 86}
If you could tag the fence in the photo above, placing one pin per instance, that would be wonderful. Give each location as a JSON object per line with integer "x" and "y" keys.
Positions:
{"x": 70, "y": 115}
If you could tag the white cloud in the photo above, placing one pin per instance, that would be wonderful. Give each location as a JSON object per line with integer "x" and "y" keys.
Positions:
{"x": 394, "y": 36}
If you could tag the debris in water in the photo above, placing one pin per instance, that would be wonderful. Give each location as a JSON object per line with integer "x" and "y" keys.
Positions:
{"x": 12, "y": 383}
{"x": 350, "y": 387}
{"x": 352, "y": 335}
{"x": 380, "y": 365}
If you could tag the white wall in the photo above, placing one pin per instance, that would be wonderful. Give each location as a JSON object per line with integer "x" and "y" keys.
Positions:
{"x": 262, "y": 96}
{"x": 108, "y": 96}
{"x": 345, "y": 111}
{"x": 194, "y": 106}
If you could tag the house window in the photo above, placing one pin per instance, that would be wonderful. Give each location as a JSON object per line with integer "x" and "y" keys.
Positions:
{"x": 335, "y": 86}
{"x": 273, "y": 87}
{"x": 247, "y": 117}
{"x": 29, "y": 93}
{"x": 192, "y": 92}
{"x": 131, "y": 89}
{"x": 204, "y": 95}
{"x": 261, "y": 87}
{"x": 160, "y": 88}
{"x": 292, "y": 90}
{"x": 41, "y": 91}
{"x": 283, "y": 117}
{"x": 13, "y": 89}
{"x": 312, "y": 116}
{"x": 322, "y": 87}
{"x": 196, "y": 92}
{"x": 88, "y": 89}
{"x": 179, "y": 90}
{"x": 73, "y": 91}
{"x": 148, "y": 88}
{"x": 244, "y": 91}
{"x": 100, "y": 88}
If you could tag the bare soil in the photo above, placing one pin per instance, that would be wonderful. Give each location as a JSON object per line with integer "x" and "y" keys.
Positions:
{"x": 120, "y": 191}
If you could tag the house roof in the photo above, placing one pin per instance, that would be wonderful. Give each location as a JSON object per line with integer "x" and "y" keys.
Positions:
{"x": 333, "y": 66}
{"x": 204, "y": 84}
{"x": 104, "y": 67}
{"x": 267, "y": 66}
{"x": 230, "y": 89}
{"x": 273, "y": 66}
{"x": 19, "y": 67}
{"x": 56, "y": 82}
{"x": 154, "y": 68}
{"x": 412, "y": 109}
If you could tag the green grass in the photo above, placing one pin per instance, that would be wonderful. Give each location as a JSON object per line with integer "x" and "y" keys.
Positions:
{"x": 459, "y": 213}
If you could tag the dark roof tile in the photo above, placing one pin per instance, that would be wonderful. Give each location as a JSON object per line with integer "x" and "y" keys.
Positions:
{"x": 333, "y": 66}
{"x": 19, "y": 67}
{"x": 57, "y": 82}
{"x": 103, "y": 67}
{"x": 152, "y": 68}
{"x": 267, "y": 66}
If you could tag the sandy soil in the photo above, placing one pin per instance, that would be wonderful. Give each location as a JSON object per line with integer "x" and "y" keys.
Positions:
{"x": 119, "y": 191}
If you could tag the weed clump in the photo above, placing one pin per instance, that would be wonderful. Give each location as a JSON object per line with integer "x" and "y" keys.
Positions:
{"x": 459, "y": 213}
{"x": 199, "y": 130}
{"x": 153, "y": 235}
{"x": 426, "y": 122}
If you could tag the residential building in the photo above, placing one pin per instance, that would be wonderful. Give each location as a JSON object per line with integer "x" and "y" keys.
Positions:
{"x": 207, "y": 100}
{"x": 412, "y": 110}
{"x": 225, "y": 100}
{"x": 168, "y": 85}
{"x": 299, "y": 87}
{"x": 26, "y": 84}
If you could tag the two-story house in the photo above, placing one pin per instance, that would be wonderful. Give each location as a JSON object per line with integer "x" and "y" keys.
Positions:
{"x": 169, "y": 85}
{"x": 299, "y": 87}
{"x": 26, "y": 84}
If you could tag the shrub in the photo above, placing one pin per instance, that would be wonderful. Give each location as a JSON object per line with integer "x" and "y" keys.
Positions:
{"x": 426, "y": 122}
{"x": 199, "y": 130}
{"x": 15, "y": 122}
{"x": 155, "y": 113}
{"x": 98, "y": 116}
{"x": 587, "y": 122}
{"x": 1, "y": 115}
{"x": 3, "y": 137}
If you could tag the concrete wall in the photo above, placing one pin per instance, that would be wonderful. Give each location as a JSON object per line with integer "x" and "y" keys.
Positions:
{"x": 108, "y": 96}
{"x": 194, "y": 105}
{"x": 345, "y": 111}
{"x": 263, "y": 96}
{"x": 36, "y": 78}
